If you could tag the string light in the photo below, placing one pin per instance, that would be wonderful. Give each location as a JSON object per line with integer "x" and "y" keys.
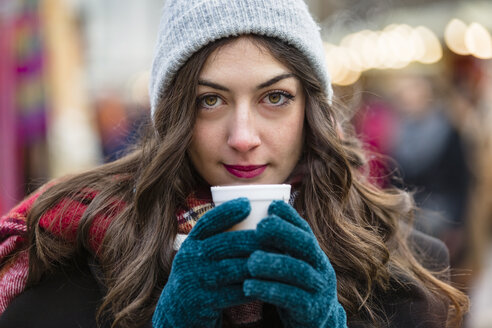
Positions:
{"x": 473, "y": 39}
{"x": 350, "y": 77}
{"x": 394, "y": 47}
{"x": 478, "y": 41}
{"x": 398, "y": 45}
{"x": 432, "y": 47}
{"x": 454, "y": 36}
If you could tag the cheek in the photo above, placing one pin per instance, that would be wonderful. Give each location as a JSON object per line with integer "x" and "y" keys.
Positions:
{"x": 290, "y": 139}
{"x": 199, "y": 143}
{"x": 297, "y": 139}
{"x": 206, "y": 139}
{"x": 296, "y": 131}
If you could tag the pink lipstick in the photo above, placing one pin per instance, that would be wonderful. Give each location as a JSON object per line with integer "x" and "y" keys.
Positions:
{"x": 245, "y": 171}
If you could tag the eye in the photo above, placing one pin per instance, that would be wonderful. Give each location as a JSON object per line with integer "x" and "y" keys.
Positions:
{"x": 274, "y": 98}
{"x": 278, "y": 98}
{"x": 209, "y": 101}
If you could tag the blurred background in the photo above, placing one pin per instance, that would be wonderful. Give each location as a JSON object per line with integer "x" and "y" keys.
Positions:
{"x": 416, "y": 73}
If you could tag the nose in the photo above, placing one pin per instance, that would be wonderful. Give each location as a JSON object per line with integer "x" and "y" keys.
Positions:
{"x": 243, "y": 132}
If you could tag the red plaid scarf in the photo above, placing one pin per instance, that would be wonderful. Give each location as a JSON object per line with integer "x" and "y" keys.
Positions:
{"x": 13, "y": 258}
{"x": 14, "y": 263}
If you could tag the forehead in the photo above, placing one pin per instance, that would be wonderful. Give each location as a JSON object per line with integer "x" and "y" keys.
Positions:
{"x": 242, "y": 56}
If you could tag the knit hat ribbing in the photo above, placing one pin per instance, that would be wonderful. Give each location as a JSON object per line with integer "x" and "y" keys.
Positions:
{"x": 188, "y": 25}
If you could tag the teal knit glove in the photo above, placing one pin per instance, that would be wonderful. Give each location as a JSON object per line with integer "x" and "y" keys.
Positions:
{"x": 293, "y": 273}
{"x": 208, "y": 271}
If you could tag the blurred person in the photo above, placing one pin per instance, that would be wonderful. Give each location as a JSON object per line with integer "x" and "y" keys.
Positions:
{"x": 480, "y": 315}
{"x": 430, "y": 153}
{"x": 376, "y": 124}
{"x": 113, "y": 125}
{"x": 480, "y": 227}
{"x": 471, "y": 101}
{"x": 118, "y": 124}
{"x": 239, "y": 95}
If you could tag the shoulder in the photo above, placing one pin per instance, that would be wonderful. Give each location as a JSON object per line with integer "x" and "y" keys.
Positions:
{"x": 13, "y": 234}
{"x": 68, "y": 297}
{"x": 18, "y": 214}
{"x": 410, "y": 304}
{"x": 406, "y": 303}
{"x": 432, "y": 253}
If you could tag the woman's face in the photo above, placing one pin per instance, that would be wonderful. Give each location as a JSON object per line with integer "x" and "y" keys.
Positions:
{"x": 249, "y": 127}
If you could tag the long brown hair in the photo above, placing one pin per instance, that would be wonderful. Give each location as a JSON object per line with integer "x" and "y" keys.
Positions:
{"x": 356, "y": 223}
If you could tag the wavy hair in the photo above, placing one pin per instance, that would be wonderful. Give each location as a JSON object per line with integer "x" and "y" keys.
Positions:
{"x": 358, "y": 225}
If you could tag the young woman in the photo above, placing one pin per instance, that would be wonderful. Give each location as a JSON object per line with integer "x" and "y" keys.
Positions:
{"x": 240, "y": 95}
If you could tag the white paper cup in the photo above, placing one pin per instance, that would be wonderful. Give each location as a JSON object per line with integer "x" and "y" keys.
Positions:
{"x": 260, "y": 197}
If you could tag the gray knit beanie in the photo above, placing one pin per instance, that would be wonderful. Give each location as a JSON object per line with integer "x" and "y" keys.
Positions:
{"x": 188, "y": 25}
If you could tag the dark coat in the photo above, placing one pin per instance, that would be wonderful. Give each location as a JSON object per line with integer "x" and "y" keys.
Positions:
{"x": 70, "y": 297}
{"x": 410, "y": 306}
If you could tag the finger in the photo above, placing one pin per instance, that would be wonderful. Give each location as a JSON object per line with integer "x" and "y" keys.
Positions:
{"x": 282, "y": 295}
{"x": 273, "y": 232}
{"x": 288, "y": 213}
{"x": 229, "y": 296}
{"x": 223, "y": 273}
{"x": 221, "y": 218}
{"x": 285, "y": 269}
{"x": 231, "y": 244}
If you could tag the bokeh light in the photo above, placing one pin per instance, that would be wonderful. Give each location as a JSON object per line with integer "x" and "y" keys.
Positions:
{"x": 394, "y": 47}
{"x": 454, "y": 36}
{"x": 478, "y": 41}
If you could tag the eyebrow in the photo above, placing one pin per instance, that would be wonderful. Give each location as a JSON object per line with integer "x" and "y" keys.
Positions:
{"x": 261, "y": 86}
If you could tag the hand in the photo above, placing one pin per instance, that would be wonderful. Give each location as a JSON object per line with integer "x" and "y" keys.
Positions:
{"x": 293, "y": 273}
{"x": 208, "y": 271}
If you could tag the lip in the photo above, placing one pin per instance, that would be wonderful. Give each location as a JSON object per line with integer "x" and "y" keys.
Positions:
{"x": 245, "y": 171}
